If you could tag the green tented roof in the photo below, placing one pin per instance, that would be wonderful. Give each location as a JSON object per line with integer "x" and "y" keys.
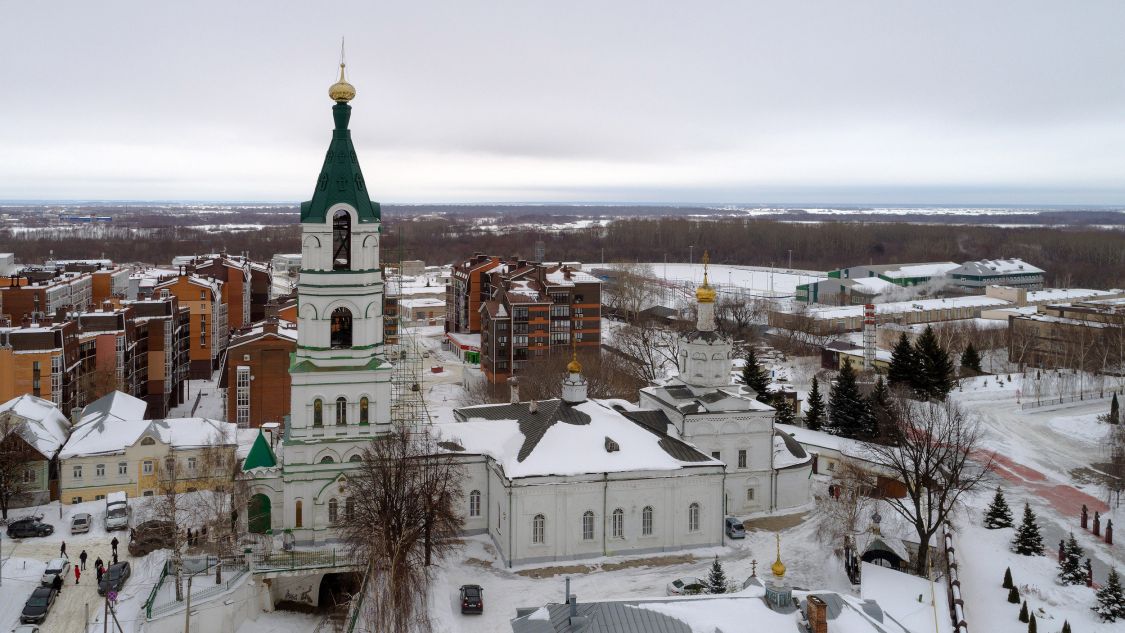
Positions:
{"x": 340, "y": 179}
{"x": 261, "y": 456}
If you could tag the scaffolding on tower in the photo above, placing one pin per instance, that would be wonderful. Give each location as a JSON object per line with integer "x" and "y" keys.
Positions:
{"x": 408, "y": 406}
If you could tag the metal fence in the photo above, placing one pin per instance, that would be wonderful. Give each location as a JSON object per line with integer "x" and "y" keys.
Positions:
{"x": 302, "y": 559}
{"x": 233, "y": 570}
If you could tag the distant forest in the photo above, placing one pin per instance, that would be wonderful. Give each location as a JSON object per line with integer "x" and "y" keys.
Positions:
{"x": 1072, "y": 256}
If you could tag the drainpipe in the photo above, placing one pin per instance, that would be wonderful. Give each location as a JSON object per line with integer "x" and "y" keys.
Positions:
{"x": 605, "y": 501}
{"x": 723, "y": 522}
{"x": 510, "y": 552}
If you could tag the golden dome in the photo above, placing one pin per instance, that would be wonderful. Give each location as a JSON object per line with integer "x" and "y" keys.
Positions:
{"x": 341, "y": 91}
{"x": 705, "y": 293}
{"x": 778, "y": 567}
{"x": 574, "y": 366}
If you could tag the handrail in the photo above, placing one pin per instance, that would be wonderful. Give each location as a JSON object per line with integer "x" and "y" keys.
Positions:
{"x": 155, "y": 588}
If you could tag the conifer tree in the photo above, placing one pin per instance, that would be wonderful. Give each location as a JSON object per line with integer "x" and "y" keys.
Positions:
{"x": 1114, "y": 411}
{"x": 847, "y": 409}
{"x": 1014, "y": 595}
{"x": 879, "y": 407}
{"x": 1031, "y": 625}
{"x": 1028, "y": 541}
{"x": 814, "y": 413}
{"x": 999, "y": 515}
{"x": 755, "y": 376}
{"x": 783, "y": 412}
{"x": 1070, "y": 567}
{"x": 970, "y": 358}
{"x": 1111, "y": 599}
{"x": 1066, "y": 626}
{"x": 717, "y": 580}
{"x": 1023, "y": 612}
{"x": 1008, "y": 584}
{"x": 935, "y": 371}
{"x": 904, "y": 364}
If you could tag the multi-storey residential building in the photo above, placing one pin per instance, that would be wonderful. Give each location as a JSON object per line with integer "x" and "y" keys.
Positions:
{"x": 204, "y": 298}
{"x": 234, "y": 273}
{"x": 42, "y": 360}
{"x": 169, "y": 351}
{"x": 466, "y": 292}
{"x": 38, "y": 294}
{"x": 532, "y": 310}
{"x": 256, "y": 374}
{"x": 114, "y": 352}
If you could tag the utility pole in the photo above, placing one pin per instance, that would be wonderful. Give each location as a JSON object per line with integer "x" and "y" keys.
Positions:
{"x": 690, "y": 258}
{"x": 790, "y": 259}
{"x": 105, "y": 620}
{"x": 187, "y": 610}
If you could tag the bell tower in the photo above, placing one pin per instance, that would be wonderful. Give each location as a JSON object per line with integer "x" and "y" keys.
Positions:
{"x": 705, "y": 356}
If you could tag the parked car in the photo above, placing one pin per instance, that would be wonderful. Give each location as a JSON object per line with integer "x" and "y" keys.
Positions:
{"x": 29, "y": 526}
{"x": 26, "y": 628}
{"x": 55, "y": 567}
{"x": 734, "y": 528}
{"x": 472, "y": 599}
{"x": 150, "y": 536}
{"x": 686, "y": 586}
{"x": 114, "y": 578}
{"x": 38, "y": 605}
{"x": 80, "y": 523}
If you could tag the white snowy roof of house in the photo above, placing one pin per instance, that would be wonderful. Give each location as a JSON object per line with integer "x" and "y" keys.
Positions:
{"x": 898, "y": 594}
{"x": 421, "y": 303}
{"x": 999, "y": 266}
{"x": 559, "y": 278}
{"x": 40, "y": 423}
{"x": 873, "y": 284}
{"x": 1065, "y": 294}
{"x": 918, "y": 305}
{"x": 112, "y": 436}
{"x": 116, "y": 405}
{"x": 929, "y": 269}
{"x": 564, "y": 439}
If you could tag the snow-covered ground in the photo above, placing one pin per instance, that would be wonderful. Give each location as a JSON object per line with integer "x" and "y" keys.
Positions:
{"x": 777, "y": 281}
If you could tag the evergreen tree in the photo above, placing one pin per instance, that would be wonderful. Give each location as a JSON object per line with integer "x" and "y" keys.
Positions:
{"x": 1066, "y": 626}
{"x": 1070, "y": 567}
{"x": 717, "y": 580}
{"x": 1023, "y": 612}
{"x": 814, "y": 413}
{"x": 1114, "y": 411}
{"x": 1111, "y": 599}
{"x": 783, "y": 410}
{"x": 847, "y": 409}
{"x": 999, "y": 515}
{"x": 1031, "y": 625}
{"x": 879, "y": 405}
{"x": 1028, "y": 541}
{"x": 904, "y": 364}
{"x": 970, "y": 358}
{"x": 755, "y": 376}
{"x": 1008, "y": 584}
{"x": 1014, "y": 595}
{"x": 935, "y": 370}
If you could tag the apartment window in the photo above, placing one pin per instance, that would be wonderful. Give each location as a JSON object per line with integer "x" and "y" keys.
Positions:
{"x": 163, "y": 293}
{"x": 242, "y": 396}
{"x": 749, "y": 494}
{"x": 646, "y": 521}
{"x": 99, "y": 470}
{"x": 560, "y": 310}
{"x": 519, "y": 313}
{"x": 333, "y": 510}
{"x": 122, "y": 468}
{"x": 147, "y": 493}
{"x": 191, "y": 464}
{"x": 76, "y": 499}
{"x": 560, "y": 338}
{"x": 341, "y": 411}
{"x": 618, "y": 523}
{"x": 742, "y": 458}
{"x": 716, "y": 454}
{"x": 588, "y": 525}
{"x": 77, "y": 472}
{"x": 146, "y": 467}
{"x": 520, "y": 340}
{"x": 35, "y": 378}
{"x": 202, "y": 295}
{"x": 99, "y": 497}
{"x": 693, "y": 518}
{"x": 831, "y": 465}
{"x": 474, "y": 503}
{"x": 29, "y": 476}
{"x": 538, "y": 529}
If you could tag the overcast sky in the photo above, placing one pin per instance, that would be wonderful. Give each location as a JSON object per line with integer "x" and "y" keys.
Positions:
{"x": 891, "y": 101}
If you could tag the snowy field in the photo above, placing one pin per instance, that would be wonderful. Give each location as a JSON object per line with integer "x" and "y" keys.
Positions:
{"x": 754, "y": 279}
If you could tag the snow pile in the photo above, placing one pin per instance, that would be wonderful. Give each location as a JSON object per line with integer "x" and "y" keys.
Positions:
{"x": 1086, "y": 428}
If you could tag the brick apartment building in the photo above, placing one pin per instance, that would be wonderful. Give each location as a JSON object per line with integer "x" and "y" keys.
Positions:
{"x": 1087, "y": 335}
{"x": 41, "y": 359}
{"x": 523, "y": 310}
{"x": 169, "y": 352}
{"x": 256, "y": 374}
{"x": 209, "y": 330}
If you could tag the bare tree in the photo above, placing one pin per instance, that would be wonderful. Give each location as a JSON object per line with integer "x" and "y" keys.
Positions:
{"x": 221, "y": 495}
{"x": 405, "y": 494}
{"x": 16, "y": 459}
{"x": 608, "y": 375}
{"x": 166, "y": 506}
{"x": 651, "y": 348}
{"x": 937, "y": 458}
{"x": 97, "y": 383}
{"x": 631, "y": 290}
{"x": 847, "y": 505}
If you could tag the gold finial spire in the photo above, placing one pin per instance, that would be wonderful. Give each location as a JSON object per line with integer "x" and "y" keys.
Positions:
{"x": 705, "y": 293}
{"x": 341, "y": 91}
{"x": 574, "y": 366}
{"x": 778, "y": 567}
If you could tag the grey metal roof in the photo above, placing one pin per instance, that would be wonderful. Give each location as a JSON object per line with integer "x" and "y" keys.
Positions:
{"x": 601, "y": 617}
{"x": 792, "y": 445}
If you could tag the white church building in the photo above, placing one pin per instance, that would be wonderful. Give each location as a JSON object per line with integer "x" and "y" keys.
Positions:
{"x": 574, "y": 478}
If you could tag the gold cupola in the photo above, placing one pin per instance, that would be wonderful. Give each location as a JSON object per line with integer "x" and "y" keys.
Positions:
{"x": 574, "y": 366}
{"x": 705, "y": 293}
{"x": 341, "y": 91}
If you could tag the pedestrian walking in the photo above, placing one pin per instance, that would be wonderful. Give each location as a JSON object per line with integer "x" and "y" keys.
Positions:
{"x": 112, "y": 543}
{"x": 77, "y": 574}
{"x": 189, "y": 542}
{"x": 99, "y": 571}
{"x": 82, "y": 559}
{"x": 62, "y": 551}
{"x": 98, "y": 563}
{"x": 114, "y": 557}
{"x": 57, "y": 584}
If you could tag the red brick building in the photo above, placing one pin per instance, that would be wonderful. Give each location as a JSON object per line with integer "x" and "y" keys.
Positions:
{"x": 255, "y": 376}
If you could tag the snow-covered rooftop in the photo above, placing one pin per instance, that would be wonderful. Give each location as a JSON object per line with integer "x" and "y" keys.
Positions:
{"x": 999, "y": 266}
{"x": 421, "y": 303}
{"x": 910, "y": 271}
{"x": 898, "y": 594}
{"x": 1065, "y": 294}
{"x": 918, "y": 305}
{"x": 40, "y": 423}
{"x": 112, "y": 436}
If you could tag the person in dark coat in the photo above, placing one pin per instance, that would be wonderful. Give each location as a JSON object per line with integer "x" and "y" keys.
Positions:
{"x": 98, "y": 563}
{"x": 115, "y": 557}
{"x": 62, "y": 550}
{"x": 57, "y": 584}
{"x": 99, "y": 570}
{"x": 113, "y": 543}
{"x": 82, "y": 559}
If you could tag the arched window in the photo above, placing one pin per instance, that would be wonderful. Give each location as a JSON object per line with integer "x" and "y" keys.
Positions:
{"x": 538, "y": 528}
{"x": 318, "y": 412}
{"x": 646, "y": 521}
{"x": 333, "y": 511}
{"x": 618, "y": 523}
{"x": 341, "y": 241}
{"x": 298, "y": 515}
{"x": 349, "y": 509}
{"x": 148, "y": 441}
{"x": 327, "y": 459}
{"x": 474, "y": 503}
{"x": 341, "y": 328}
{"x": 588, "y": 525}
{"x": 693, "y": 518}
{"x": 356, "y": 458}
{"x": 363, "y": 403}
{"x": 341, "y": 411}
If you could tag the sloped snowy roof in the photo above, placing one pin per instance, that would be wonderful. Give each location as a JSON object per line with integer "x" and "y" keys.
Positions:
{"x": 897, "y": 593}
{"x": 41, "y": 424}
{"x": 111, "y": 436}
{"x": 564, "y": 439}
{"x": 998, "y": 266}
{"x": 116, "y": 405}
{"x": 873, "y": 284}
{"x": 918, "y": 305}
{"x": 910, "y": 271}
{"x": 1065, "y": 294}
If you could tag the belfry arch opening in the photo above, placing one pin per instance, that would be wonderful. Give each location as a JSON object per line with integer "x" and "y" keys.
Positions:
{"x": 341, "y": 241}
{"x": 341, "y": 328}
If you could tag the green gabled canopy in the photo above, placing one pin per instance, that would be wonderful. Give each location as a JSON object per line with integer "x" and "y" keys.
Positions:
{"x": 340, "y": 179}
{"x": 261, "y": 455}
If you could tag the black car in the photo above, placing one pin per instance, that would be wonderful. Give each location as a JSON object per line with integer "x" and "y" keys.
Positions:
{"x": 114, "y": 578}
{"x": 35, "y": 611}
{"x": 472, "y": 599}
{"x": 22, "y": 528}
{"x": 150, "y": 536}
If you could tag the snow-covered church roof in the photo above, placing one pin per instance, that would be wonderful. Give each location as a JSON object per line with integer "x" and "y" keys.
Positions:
{"x": 39, "y": 422}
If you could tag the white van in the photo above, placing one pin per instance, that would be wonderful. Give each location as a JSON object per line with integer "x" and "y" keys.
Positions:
{"x": 117, "y": 511}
